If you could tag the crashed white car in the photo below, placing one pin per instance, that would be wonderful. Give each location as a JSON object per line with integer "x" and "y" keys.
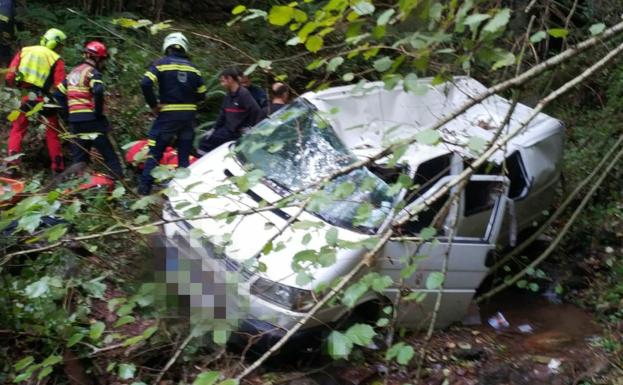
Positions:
{"x": 321, "y": 132}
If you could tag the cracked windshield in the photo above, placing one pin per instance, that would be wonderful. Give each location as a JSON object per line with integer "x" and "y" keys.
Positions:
{"x": 296, "y": 147}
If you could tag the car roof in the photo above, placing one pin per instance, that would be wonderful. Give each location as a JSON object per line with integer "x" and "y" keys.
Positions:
{"x": 368, "y": 117}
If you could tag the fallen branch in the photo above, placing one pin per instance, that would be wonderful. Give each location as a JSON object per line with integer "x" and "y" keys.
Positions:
{"x": 172, "y": 360}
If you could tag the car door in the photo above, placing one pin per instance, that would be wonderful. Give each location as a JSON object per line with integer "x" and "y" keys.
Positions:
{"x": 466, "y": 254}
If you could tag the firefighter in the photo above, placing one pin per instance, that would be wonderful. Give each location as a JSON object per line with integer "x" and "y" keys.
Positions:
{"x": 280, "y": 98}
{"x": 82, "y": 95}
{"x": 180, "y": 88}
{"x": 39, "y": 69}
{"x": 239, "y": 112}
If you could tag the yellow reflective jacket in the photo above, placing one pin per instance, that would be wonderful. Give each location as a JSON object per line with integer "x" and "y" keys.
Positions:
{"x": 35, "y": 64}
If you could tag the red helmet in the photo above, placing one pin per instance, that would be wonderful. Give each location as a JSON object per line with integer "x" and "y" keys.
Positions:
{"x": 96, "y": 50}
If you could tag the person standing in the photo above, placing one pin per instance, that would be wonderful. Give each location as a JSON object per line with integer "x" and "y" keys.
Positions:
{"x": 82, "y": 95}
{"x": 39, "y": 69}
{"x": 239, "y": 112}
{"x": 181, "y": 87}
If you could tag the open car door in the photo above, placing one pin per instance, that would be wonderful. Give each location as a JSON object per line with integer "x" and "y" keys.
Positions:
{"x": 484, "y": 195}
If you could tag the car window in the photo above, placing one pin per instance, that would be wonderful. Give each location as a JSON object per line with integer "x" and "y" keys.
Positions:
{"x": 296, "y": 148}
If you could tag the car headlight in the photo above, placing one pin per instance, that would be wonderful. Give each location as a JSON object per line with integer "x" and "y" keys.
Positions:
{"x": 291, "y": 298}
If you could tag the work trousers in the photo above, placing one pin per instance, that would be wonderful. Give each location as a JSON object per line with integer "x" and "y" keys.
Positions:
{"x": 20, "y": 126}
{"x": 219, "y": 136}
{"x": 160, "y": 136}
{"x": 81, "y": 147}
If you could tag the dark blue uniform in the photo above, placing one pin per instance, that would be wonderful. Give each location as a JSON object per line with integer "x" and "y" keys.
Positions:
{"x": 7, "y": 30}
{"x": 239, "y": 112}
{"x": 180, "y": 88}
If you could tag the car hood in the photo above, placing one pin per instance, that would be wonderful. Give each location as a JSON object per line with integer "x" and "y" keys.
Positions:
{"x": 245, "y": 236}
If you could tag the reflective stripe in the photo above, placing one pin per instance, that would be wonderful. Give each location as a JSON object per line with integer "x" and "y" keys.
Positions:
{"x": 151, "y": 77}
{"x": 62, "y": 89}
{"x": 177, "y": 67}
{"x": 79, "y": 96}
{"x": 178, "y": 107}
{"x": 95, "y": 81}
{"x": 202, "y": 89}
{"x": 4, "y": 18}
{"x": 151, "y": 142}
{"x": 35, "y": 64}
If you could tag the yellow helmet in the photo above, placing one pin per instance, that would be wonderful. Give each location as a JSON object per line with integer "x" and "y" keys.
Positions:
{"x": 52, "y": 38}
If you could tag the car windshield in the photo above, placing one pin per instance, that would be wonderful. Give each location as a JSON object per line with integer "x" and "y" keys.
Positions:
{"x": 295, "y": 147}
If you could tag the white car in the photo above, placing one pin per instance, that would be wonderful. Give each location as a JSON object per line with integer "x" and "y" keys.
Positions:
{"x": 319, "y": 133}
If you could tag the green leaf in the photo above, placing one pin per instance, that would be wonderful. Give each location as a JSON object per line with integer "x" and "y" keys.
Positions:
{"x": 331, "y": 236}
{"x": 52, "y": 360}
{"x": 220, "y": 336}
{"x": 74, "y": 339}
{"x": 238, "y": 9}
{"x": 118, "y": 192}
{"x": 347, "y": 77}
{"x": 537, "y": 37}
{"x": 473, "y": 21}
{"x": 379, "y": 284}
{"x": 24, "y": 362}
{"x": 596, "y": 29}
{"x": 37, "y": 289}
{"x": 353, "y": 293}
{"x": 229, "y": 381}
{"x": 150, "y": 229}
{"x": 96, "y": 330}
{"x": 126, "y": 371}
{"x": 383, "y": 64}
{"x": 207, "y": 378}
{"x": 402, "y": 352}
{"x": 23, "y": 377}
{"x": 405, "y": 355}
{"x": 334, "y": 63}
{"x": 498, "y": 22}
{"x": 428, "y": 137}
{"x": 280, "y": 15}
{"x": 476, "y": 144}
{"x": 434, "y": 280}
{"x": 384, "y": 17}
{"x": 126, "y": 319}
{"x": 314, "y": 43}
{"x": 505, "y": 59}
{"x": 363, "y": 8}
{"x": 95, "y": 287}
{"x": 360, "y": 334}
{"x": 44, "y": 372}
{"x": 558, "y": 32}
{"x": 265, "y": 64}
{"x": 149, "y": 332}
{"x": 339, "y": 345}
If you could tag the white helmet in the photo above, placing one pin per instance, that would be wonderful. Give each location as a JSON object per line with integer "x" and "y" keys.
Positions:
{"x": 175, "y": 38}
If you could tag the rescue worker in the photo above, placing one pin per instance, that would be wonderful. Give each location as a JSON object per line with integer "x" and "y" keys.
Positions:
{"x": 180, "y": 87}
{"x": 39, "y": 69}
{"x": 280, "y": 97}
{"x": 258, "y": 93}
{"x": 7, "y": 30}
{"x": 239, "y": 112}
{"x": 82, "y": 95}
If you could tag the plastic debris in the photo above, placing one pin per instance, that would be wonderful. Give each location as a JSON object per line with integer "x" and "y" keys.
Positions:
{"x": 525, "y": 328}
{"x": 498, "y": 321}
{"x": 554, "y": 365}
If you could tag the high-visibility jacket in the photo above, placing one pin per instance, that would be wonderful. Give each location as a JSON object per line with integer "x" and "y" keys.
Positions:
{"x": 35, "y": 65}
{"x": 82, "y": 94}
{"x": 180, "y": 87}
